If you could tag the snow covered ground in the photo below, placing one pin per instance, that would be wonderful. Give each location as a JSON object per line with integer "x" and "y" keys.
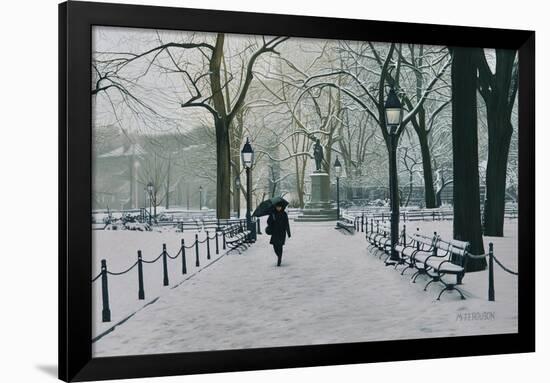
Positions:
{"x": 329, "y": 289}
{"x": 119, "y": 248}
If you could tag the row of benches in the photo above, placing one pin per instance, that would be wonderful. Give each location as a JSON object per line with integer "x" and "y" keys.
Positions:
{"x": 427, "y": 255}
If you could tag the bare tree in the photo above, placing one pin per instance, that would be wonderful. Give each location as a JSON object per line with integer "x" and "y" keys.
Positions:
{"x": 390, "y": 70}
{"x": 499, "y": 91}
{"x": 467, "y": 218}
{"x": 205, "y": 88}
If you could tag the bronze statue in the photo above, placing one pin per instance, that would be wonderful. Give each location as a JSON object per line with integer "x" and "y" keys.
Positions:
{"x": 318, "y": 154}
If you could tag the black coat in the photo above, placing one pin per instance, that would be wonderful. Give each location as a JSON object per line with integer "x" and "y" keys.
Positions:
{"x": 278, "y": 223}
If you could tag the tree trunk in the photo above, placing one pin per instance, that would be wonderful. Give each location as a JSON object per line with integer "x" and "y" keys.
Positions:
{"x": 429, "y": 193}
{"x": 467, "y": 220}
{"x": 500, "y": 135}
{"x": 223, "y": 170}
{"x": 498, "y": 90}
{"x": 223, "y": 155}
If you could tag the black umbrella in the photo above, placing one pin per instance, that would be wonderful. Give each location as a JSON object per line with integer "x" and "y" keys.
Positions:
{"x": 267, "y": 206}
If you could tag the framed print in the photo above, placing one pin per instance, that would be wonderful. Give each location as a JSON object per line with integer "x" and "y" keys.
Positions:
{"x": 248, "y": 191}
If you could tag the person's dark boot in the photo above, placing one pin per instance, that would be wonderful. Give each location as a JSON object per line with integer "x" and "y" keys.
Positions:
{"x": 279, "y": 260}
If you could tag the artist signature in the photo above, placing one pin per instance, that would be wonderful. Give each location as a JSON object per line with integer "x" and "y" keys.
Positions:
{"x": 475, "y": 316}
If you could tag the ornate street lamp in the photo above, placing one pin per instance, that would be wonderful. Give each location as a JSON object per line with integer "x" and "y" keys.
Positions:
{"x": 238, "y": 197}
{"x": 394, "y": 116}
{"x": 338, "y": 172}
{"x": 150, "y": 190}
{"x": 247, "y": 157}
{"x": 200, "y": 198}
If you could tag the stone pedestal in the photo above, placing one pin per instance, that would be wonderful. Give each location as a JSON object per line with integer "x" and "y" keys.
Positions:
{"x": 319, "y": 208}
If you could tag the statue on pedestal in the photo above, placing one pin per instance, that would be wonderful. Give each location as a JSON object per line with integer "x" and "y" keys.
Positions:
{"x": 318, "y": 155}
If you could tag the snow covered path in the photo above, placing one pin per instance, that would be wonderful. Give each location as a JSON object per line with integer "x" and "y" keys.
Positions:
{"x": 328, "y": 290}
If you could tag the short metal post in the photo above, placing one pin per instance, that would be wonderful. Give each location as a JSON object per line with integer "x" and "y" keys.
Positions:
{"x": 371, "y": 224}
{"x": 183, "y": 261}
{"x": 197, "y": 264}
{"x": 141, "y": 292}
{"x": 223, "y": 234}
{"x": 362, "y": 221}
{"x": 207, "y": 245}
{"x": 433, "y": 215}
{"x": 217, "y": 244}
{"x": 106, "y": 312}
{"x": 164, "y": 266}
{"x": 491, "y": 274}
{"x": 404, "y": 240}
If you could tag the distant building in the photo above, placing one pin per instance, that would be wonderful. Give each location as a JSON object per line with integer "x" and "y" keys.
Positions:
{"x": 115, "y": 183}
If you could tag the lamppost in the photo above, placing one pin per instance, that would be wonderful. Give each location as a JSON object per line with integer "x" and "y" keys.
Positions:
{"x": 200, "y": 197}
{"x": 394, "y": 116}
{"x": 247, "y": 156}
{"x": 338, "y": 171}
{"x": 150, "y": 190}
{"x": 238, "y": 196}
{"x": 145, "y": 193}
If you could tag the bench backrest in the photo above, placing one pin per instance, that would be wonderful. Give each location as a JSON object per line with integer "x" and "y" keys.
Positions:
{"x": 456, "y": 250}
{"x": 425, "y": 241}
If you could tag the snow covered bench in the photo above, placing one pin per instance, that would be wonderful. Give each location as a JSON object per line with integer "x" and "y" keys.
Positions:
{"x": 448, "y": 258}
{"x": 380, "y": 237}
{"x": 234, "y": 237}
{"x": 417, "y": 244}
{"x": 436, "y": 258}
{"x": 425, "y": 248}
{"x": 346, "y": 223}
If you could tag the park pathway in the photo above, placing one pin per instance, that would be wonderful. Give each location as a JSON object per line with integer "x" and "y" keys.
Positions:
{"x": 328, "y": 290}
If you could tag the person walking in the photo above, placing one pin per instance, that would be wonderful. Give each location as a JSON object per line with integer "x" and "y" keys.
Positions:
{"x": 278, "y": 227}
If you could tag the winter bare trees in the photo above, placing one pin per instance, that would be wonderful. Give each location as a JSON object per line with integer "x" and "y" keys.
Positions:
{"x": 202, "y": 82}
{"x": 284, "y": 93}
{"x": 418, "y": 77}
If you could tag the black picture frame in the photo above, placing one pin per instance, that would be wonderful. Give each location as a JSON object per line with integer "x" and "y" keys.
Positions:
{"x": 75, "y": 242}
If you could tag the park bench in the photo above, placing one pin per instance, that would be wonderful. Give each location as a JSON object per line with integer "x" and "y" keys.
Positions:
{"x": 374, "y": 232}
{"x": 435, "y": 258}
{"x": 425, "y": 248}
{"x": 448, "y": 258}
{"x": 346, "y": 223}
{"x": 234, "y": 237}
{"x": 379, "y": 238}
{"x": 408, "y": 246}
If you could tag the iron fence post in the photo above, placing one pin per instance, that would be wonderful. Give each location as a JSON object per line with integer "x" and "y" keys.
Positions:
{"x": 491, "y": 274}
{"x": 197, "y": 264}
{"x": 183, "y": 260}
{"x": 141, "y": 292}
{"x": 106, "y": 312}
{"x": 207, "y": 245}
{"x": 164, "y": 266}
